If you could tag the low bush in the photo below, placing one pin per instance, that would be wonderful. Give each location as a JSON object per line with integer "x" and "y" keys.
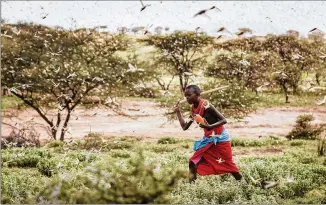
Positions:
{"x": 303, "y": 129}
{"x": 108, "y": 184}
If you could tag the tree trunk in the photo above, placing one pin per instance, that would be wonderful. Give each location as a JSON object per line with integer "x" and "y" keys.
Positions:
{"x": 4, "y": 91}
{"x": 162, "y": 84}
{"x": 54, "y": 132}
{"x": 317, "y": 76}
{"x": 185, "y": 83}
{"x": 55, "y": 129}
{"x": 286, "y": 93}
{"x": 64, "y": 128}
{"x": 167, "y": 87}
{"x": 295, "y": 89}
{"x": 256, "y": 91}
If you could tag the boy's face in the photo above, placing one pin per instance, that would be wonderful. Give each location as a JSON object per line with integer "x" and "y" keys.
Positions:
{"x": 191, "y": 97}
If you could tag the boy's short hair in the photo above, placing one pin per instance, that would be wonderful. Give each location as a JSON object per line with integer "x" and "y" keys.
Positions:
{"x": 195, "y": 88}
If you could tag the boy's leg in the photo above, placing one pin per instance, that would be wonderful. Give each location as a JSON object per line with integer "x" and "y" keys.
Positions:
{"x": 193, "y": 169}
{"x": 192, "y": 172}
{"x": 237, "y": 175}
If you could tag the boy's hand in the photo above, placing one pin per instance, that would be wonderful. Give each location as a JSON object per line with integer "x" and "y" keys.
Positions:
{"x": 208, "y": 127}
{"x": 177, "y": 107}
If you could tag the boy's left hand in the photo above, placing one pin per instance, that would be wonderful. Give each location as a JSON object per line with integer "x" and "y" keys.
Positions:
{"x": 208, "y": 127}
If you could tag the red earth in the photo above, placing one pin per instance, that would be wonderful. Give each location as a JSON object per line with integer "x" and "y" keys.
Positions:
{"x": 146, "y": 119}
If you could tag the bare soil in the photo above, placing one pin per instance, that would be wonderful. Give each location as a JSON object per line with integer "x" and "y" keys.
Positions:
{"x": 146, "y": 119}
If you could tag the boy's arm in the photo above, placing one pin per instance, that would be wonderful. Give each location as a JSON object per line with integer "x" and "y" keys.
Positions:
{"x": 218, "y": 115}
{"x": 185, "y": 125}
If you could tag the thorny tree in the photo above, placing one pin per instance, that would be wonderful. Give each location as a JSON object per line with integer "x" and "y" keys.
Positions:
{"x": 47, "y": 67}
{"x": 158, "y": 68}
{"x": 285, "y": 56}
{"x": 249, "y": 70}
{"x": 243, "y": 45}
{"x": 295, "y": 57}
{"x": 183, "y": 50}
{"x": 318, "y": 45}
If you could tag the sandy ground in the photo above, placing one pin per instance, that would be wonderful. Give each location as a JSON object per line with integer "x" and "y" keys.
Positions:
{"x": 147, "y": 120}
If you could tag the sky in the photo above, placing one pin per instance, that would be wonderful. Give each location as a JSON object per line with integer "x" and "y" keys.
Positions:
{"x": 262, "y": 17}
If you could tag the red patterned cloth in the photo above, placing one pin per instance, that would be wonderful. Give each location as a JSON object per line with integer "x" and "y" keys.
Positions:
{"x": 200, "y": 110}
{"x": 216, "y": 159}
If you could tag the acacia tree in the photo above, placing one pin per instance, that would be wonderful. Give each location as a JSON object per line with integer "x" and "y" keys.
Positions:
{"x": 317, "y": 45}
{"x": 316, "y": 36}
{"x": 295, "y": 57}
{"x": 251, "y": 44}
{"x": 46, "y": 67}
{"x": 293, "y": 33}
{"x": 141, "y": 78}
{"x": 137, "y": 29}
{"x": 160, "y": 68}
{"x": 122, "y": 30}
{"x": 244, "y": 31}
{"x": 320, "y": 70}
{"x": 158, "y": 29}
{"x": 183, "y": 50}
{"x": 249, "y": 70}
{"x": 233, "y": 101}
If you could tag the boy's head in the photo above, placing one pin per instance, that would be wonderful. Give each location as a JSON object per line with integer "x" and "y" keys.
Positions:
{"x": 192, "y": 93}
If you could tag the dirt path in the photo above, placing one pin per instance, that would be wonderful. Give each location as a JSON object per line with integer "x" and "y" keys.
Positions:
{"x": 148, "y": 121}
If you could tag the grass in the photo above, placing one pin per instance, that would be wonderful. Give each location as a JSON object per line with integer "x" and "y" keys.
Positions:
{"x": 272, "y": 99}
{"x": 240, "y": 142}
{"x": 65, "y": 166}
{"x": 8, "y": 102}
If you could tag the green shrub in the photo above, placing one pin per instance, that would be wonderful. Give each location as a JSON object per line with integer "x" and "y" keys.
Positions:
{"x": 315, "y": 196}
{"x": 240, "y": 142}
{"x": 83, "y": 156}
{"x": 75, "y": 144}
{"x": 131, "y": 139}
{"x": 48, "y": 167}
{"x": 120, "y": 154}
{"x": 303, "y": 129}
{"x": 117, "y": 144}
{"x": 185, "y": 145}
{"x": 22, "y": 161}
{"x": 308, "y": 160}
{"x": 19, "y": 184}
{"x": 247, "y": 142}
{"x": 296, "y": 143}
{"x": 323, "y": 201}
{"x": 71, "y": 182}
{"x": 112, "y": 185}
{"x": 321, "y": 146}
{"x": 54, "y": 143}
{"x": 93, "y": 141}
{"x": 23, "y": 157}
{"x": 167, "y": 140}
{"x": 162, "y": 148}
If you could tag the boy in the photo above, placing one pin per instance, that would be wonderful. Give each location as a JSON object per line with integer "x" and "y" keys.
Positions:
{"x": 213, "y": 152}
